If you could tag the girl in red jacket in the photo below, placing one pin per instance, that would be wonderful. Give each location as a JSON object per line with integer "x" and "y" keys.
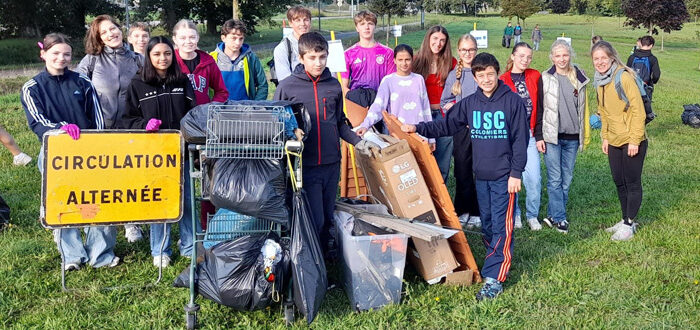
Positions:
{"x": 527, "y": 83}
{"x": 199, "y": 66}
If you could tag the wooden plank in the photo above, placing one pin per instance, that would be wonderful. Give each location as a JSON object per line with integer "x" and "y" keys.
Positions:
{"x": 347, "y": 177}
{"x": 355, "y": 113}
{"x": 402, "y": 225}
{"x": 438, "y": 191}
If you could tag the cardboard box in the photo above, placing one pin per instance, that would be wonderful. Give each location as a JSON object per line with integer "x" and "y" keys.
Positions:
{"x": 459, "y": 278}
{"x": 394, "y": 178}
{"x": 433, "y": 260}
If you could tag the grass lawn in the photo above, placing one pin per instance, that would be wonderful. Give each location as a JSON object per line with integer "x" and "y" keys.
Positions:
{"x": 579, "y": 280}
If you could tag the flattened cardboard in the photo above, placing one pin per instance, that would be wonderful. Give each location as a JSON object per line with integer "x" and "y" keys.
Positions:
{"x": 432, "y": 259}
{"x": 459, "y": 278}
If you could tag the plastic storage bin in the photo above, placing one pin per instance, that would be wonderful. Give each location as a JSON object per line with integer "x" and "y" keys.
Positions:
{"x": 372, "y": 265}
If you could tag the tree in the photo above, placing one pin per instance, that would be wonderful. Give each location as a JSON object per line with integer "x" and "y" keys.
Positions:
{"x": 389, "y": 8}
{"x": 693, "y": 8}
{"x": 614, "y": 7}
{"x": 580, "y": 6}
{"x": 559, "y": 6}
{"x": 667, "y": 15}
{"x": 521, "y": 9}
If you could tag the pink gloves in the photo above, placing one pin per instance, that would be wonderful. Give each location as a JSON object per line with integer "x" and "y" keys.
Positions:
{"x": 73, "y": 130}
{"x": 153, "y": 125}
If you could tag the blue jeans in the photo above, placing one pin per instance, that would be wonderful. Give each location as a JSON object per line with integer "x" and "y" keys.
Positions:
{"x": 98, "y": 248}
{"x": 560, "y": 159}
{"x": 185, "y": 224}
{"x": 532, "y": 181}
{"x": 443, "y": 151}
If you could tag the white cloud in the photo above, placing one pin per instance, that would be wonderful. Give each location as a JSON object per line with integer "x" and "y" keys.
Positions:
{"x": 394, "y": 96}
{"x": 405, "y": 83}
{"x": 409, "y": 105}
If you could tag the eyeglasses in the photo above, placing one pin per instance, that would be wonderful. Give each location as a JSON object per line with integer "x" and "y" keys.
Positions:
{"x": 470, "y": 50}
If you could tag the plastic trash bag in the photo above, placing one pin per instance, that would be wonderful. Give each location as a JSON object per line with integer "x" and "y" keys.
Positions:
{"x": 691, "y": 115}
{"x": 194, "y": 124}
{"x": 309, "y": 276}
{"x": 595, "y": 122}
{"x": 253, "y": 187}
{"x": 233, "y": 274}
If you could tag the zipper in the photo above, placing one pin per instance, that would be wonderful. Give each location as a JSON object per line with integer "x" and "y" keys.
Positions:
{"x": 318, "y": 115}
{"x": 324, "y": 109}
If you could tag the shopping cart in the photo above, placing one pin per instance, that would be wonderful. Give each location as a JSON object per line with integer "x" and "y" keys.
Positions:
{"x": 246, "y": 130}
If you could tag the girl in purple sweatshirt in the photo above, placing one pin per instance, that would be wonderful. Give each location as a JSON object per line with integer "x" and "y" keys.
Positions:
{"x": 402, "y": 94}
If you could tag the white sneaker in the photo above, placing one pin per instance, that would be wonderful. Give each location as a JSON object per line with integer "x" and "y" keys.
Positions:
{"x": 161, "y": 260}
{"x": 625, "y": 233}
{"x": 518, "y": 222}
{"x": 615, "y": 227}
{"x": 534, "y": 224}
{"x": 114, "y": 262}
{"x": 133, "y": 233}
{"x": 71, "y": 266}
{"x": 21, "y": 159}
{"x": 474, "y": 222}
{"x": 464, "y": 218}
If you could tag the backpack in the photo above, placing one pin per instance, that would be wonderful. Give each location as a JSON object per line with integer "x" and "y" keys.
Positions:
{"x": 642, "y": 67}
{"x": 650, "y": 115}
{"x": 271, "y": 63}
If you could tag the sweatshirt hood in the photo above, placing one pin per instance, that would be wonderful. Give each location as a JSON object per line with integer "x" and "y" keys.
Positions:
{"x": 642, "y": 52}
{"x": 300, "y": 73}
{"x": 501, "y": 90}
{"x": 245, "y": 49}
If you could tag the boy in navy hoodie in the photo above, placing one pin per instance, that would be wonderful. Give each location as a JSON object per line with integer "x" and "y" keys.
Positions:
{"x": 497, "y": 121}
{"x": 312, "y": 84}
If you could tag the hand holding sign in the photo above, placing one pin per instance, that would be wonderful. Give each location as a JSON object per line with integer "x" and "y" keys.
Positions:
{"x": 72, "y": 129}
{"x": 153, "y": 125}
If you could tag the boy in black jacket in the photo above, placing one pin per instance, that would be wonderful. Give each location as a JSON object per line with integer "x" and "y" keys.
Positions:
{"x": 311, "y": 83}
{"x": 498, "y": 126}
{"x": 645, "y": 63}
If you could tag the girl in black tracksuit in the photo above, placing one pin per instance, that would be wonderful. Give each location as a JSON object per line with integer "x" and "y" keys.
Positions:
{"x": 158, "y": 98}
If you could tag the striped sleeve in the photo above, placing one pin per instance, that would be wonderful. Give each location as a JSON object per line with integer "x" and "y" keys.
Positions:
{"x": 93, "y": 103}
{"x": 34, "y": 111}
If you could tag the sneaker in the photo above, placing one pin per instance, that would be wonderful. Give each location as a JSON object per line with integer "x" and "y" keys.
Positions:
{"x": 615, "y": 227}
{"x": 133, "y": 233}
{"x": 625, "y": 233}
{"x": 21, "y": 159}
{"x": 534, "y": 224}
{"x": 491, "y": 289}
{"x": 562, "y": 226}
{"x": 474, "y": 222}
{"x": 161, "y": 260}
{"x": 71, "y": 266}
{"x": 518, "y": 222}
{"x": 114, "y": 262}
{"x": 549, "y": 222}
{"x": 464, "y": 218}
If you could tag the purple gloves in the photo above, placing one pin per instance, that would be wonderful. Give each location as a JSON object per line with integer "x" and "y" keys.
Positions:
{"x": 153, "y": 125}
{"x": 73, "y": 130}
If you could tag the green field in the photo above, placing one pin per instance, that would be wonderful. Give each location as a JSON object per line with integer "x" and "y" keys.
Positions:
{"x": 579, "y": 280}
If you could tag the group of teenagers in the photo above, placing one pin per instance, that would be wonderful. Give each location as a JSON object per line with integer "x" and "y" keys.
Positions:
{"x": 495, "y": 124}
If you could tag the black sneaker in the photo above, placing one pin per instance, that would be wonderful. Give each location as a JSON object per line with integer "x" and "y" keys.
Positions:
{"x": 562, "y": 226}
{"x": 549, "y": 222}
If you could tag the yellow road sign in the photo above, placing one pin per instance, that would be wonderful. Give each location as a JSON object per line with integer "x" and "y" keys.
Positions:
{"x": 112, "y": 177}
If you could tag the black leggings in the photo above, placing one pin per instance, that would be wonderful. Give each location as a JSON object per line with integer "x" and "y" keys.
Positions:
{"x": 465, "y": 190}
{"x": 627, "y": 174}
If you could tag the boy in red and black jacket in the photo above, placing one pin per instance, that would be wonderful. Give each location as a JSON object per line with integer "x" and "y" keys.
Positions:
{"x": 312, "y": 84}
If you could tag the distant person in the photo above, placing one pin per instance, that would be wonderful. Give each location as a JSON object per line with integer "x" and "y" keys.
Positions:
{"x": 158, "y": 98}
{"x": 434, "y": 62}
{"x": 498, "y": 126}
{"x": 138, "y": 36}
{"x": 198, "y": 65}
{"x": 367, "y": 62}
{"x": 536, "y": 37}
{"x": 460, "y": 83}
{"x": 243, "y": 74}
{"x": 286, "y": 53}
{"x": 645, "y": 64}
{"x": 60, "y": 99}
{"x": 623, "y": 133}
{"x": 110, "y": 64}
{"x": 508, "y": 34}
{"x": 527, "y": 83}
{"x": 561, "y": 130}
{"x": 517, "y": 32}
{"x": 19, "y": 157}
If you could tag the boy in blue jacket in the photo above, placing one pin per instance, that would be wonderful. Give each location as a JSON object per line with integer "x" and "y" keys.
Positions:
{"x": 497, "y": 121}
{"x": 243, "y": 74}
{"x": 312, "y": 84}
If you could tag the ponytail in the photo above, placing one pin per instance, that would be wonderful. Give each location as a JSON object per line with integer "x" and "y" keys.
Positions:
{"x": 457, "y": 86}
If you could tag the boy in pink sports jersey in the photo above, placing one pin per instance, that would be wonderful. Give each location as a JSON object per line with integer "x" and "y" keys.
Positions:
{"x": 367, "y": 62}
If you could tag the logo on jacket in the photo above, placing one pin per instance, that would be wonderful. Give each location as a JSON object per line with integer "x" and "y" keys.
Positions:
{"x": 489, "y": 125}
{"x": 198, "y": 83}
{"x": 380, "y": 59}
{"x": 76, "y": 92}
{"x": 358, "y": 61}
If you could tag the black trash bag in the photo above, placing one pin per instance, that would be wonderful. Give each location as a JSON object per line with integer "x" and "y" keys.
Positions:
{"x": 4, "y": 213}
{"x": 691, "y": 115}
{"x": 233, "y": 274}
{"x": 194, "y": 124}
{"x": 253, "y": 187}
{"x": 309, "y": 277}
